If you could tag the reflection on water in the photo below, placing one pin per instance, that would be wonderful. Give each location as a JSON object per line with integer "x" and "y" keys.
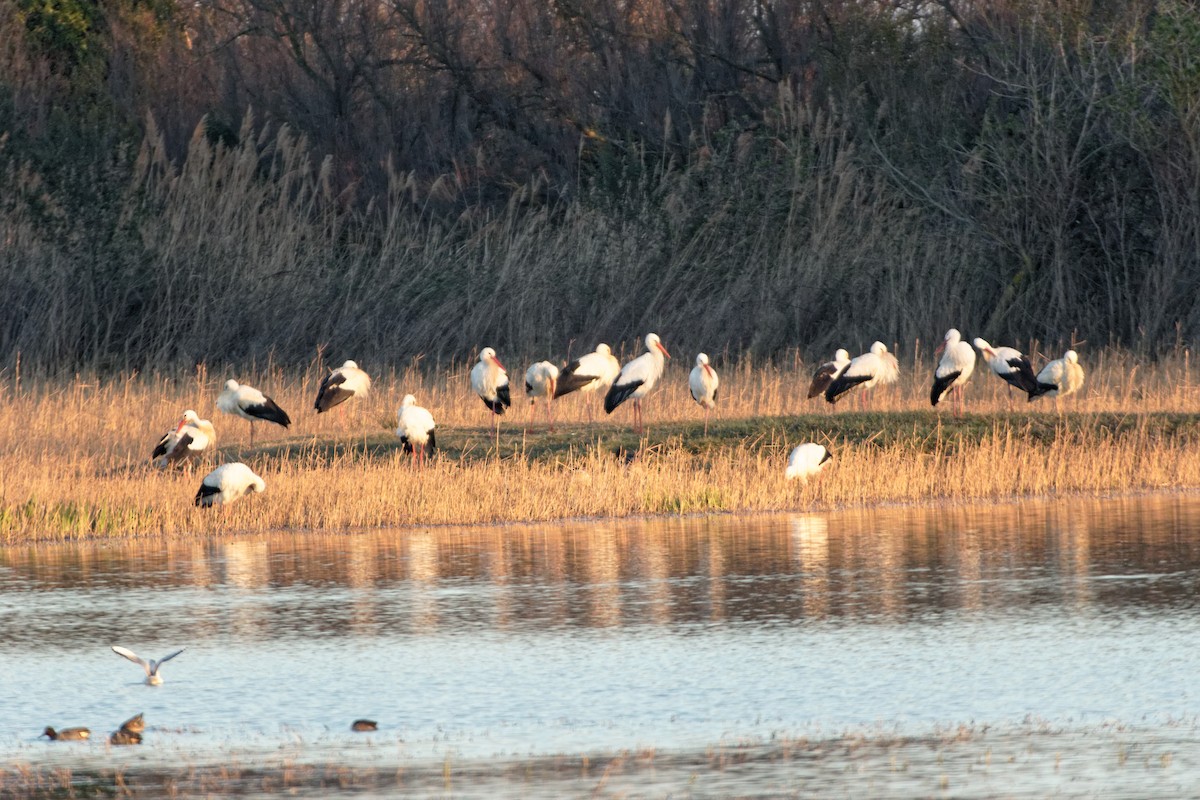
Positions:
{"x": 677, "y": 633}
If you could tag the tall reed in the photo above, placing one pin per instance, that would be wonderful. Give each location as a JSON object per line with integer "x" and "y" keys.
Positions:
{"x": 74, "y": 457}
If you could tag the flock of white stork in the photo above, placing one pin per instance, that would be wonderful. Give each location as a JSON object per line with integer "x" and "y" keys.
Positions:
{"x": 596, "y": 371}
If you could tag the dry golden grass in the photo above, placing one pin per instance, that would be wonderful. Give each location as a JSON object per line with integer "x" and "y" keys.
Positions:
{"x": 74, "y": 459}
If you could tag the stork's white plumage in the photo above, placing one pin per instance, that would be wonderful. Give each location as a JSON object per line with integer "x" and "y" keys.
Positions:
{"x": 340, "y": 385}
{"x": 594, "y": 372}
{"x": 185, "y": 443}
{"x": 954, "y": 369}
{"x": 1010, "y": 365}
{"x": 827, "y": 372}
{"x": 864, "y": 372}
{"x": 416, "y": 429}
{"x": 490, "y": 382}
{"x": 637, "y": 378}
{"x": 250, "y": 404}
{"x": 703, "y": 383}
{"x": 227, "y": 483}
{"x": 1061, "y": 377}
{"x": 806, "y": 460}
{"x": 541, "y": 380}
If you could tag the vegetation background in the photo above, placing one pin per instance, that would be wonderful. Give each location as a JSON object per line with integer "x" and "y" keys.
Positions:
{"x": 231, "y": 180}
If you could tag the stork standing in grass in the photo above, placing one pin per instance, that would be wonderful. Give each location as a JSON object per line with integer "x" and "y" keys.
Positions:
{"x": 184, "y": 444}
{"x": 864, "y": 372}
{"x": 703, "y": 383}
{"x": 340, "y": 385}
{"x": 588, "y": 374}
{"x": 228, "y": 483}
{"x": 1011, "y": 366}
{"x": 416, "y": 430}
{"x": 1059, "y": 378}
{"x": 541, "y": 379}
{"x": 250, "y": 404}
{"x": 490, "y": 382}
{"x": 953, "y": 370}
{"x": 827, "y": 373}
{"x": 637, "y": 378}
{"x": 806, "y": 460}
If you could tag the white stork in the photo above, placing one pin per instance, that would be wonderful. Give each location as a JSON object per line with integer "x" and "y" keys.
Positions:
{"x": 954, "y": 369}
{"x": 827, "y": 372}
{"x": 149, "y": 665}
{"x": 541, "y": 380}
{"x": 227, "y": 483}
{"x": 864, "y": 372}
{"x": 1061, "y": 377}
{"x": 340, "y": 385}
{"x": 416, "y": 429}
{"x": 250, "y": 404}
{"x": 490, "y": 382}
{"x": 807, "y": 460}
{"x": 637, "y": 378}
{"x": 1011, "y": 366}
{"x": 589, "y": 373}
{"x": 703, "y": 383}
{"x": 189, "y": 439}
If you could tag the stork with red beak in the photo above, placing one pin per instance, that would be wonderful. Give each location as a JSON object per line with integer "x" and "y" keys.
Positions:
{"x": 490, "y": 382}
{"x": 637, "y": 378}
{"x": 954, "y": 369}
{"x": 703, "y": 382}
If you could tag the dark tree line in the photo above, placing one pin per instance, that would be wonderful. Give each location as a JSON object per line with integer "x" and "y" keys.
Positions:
{"x": 767, "y": 174}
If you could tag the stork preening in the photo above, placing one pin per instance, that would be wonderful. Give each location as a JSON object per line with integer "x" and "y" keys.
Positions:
{"x": 416, "y": 429}
{"x": 953, "y": 370}
{"x": 227, "y": 483}
{"x": 250, "y": 404}
{"x": 1059, "y": 378}
{"x": 827, "y": 372}
{"x": 340, "y": 385}
{"x": 703, "y": 383}
{"x": 588, "y": 374}
{"x": 1011, "y": 366}
{"x": 637, "y": 378}
{"x": 864, "y": 372}
{"x": 184, "y": 444}
{"x": 490, "y": 382}
{"x": 806, "y": 460}
{"x": 541, "y": 380}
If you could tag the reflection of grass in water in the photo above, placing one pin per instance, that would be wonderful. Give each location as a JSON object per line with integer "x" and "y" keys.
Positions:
{"x": 76, "y": 460}
{"x": 1031, "y": 760}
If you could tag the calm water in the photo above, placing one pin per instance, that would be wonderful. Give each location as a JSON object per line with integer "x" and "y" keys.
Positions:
{"x": 1057, "y": 621}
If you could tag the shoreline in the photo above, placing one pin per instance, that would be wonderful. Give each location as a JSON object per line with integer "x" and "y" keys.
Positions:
{"x": 77, "y": 468}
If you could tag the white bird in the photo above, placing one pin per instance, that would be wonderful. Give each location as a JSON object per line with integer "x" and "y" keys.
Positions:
{"x": 1061, "y": 377}
{"x": 589, "y": 373}
{"x": 227, "y": 483}
{"x": 250, "y": 404}
{"x": 416, "y": 429}
{"x": 1011, "y": 366}
{"x": 189, "y": 439}
{"x": 340, "y": 385}
{"x": 541, "y": 379}
{"x": 827, "y": 372}
{"x": 806, "y": 460}
{"x": 151, "y": 666}
{"x": 954, "y": 369}
{"x": 490, "y": 382}
{"x": 863, "y": 372}
{"x": 703, "y": 383}
{"x": 637, "y": 378}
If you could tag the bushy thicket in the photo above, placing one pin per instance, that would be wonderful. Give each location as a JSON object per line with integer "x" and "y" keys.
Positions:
{"x": 237, "y": 179}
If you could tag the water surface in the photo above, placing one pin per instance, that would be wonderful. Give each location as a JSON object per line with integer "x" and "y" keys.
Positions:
{"x": 1053, "y": 620}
